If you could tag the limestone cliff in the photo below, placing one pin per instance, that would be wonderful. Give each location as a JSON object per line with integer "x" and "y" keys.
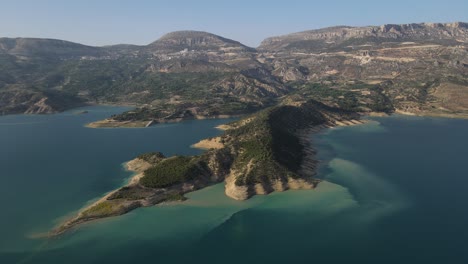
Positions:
{"x": 327, "y": 38}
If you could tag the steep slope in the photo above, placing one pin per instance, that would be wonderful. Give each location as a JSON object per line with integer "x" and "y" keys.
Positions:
{"x": 342, "y": 36}
{"x": 52, "y": 48}
{"x": 201, "y": 51}
{"x": 28, "y": 74}
{"x": 192, "y": 74}
{"x": 193, "y": 67}
{"x": 36, "y": 102}
{"x": 410, "y": 68}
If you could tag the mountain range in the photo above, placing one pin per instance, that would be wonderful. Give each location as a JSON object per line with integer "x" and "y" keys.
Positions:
{"x": 411, "y": 68}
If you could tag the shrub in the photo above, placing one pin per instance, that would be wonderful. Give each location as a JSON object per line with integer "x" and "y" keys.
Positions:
{"x": 171, "y": 171}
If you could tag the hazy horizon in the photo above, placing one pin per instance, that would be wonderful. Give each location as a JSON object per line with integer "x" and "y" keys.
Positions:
{"x": 124, "y": 22}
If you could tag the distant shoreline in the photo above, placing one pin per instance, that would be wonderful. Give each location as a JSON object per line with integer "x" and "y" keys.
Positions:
{"x": 110, "y": 123}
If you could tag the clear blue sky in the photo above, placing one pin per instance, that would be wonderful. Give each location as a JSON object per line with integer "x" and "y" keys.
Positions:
{"x": 104, "y": 22}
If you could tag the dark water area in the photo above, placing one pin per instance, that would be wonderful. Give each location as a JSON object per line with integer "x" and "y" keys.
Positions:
{"x": 394, "y": 191}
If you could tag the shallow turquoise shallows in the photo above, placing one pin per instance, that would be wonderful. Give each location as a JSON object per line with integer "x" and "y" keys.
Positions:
{"x": 395, "y": 190}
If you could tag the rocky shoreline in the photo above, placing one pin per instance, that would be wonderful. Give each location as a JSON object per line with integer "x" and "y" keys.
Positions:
{"x": 152, "y": 197}
{"x": 112, "y": 123}
{"x": 137, "y": 166}
{"x": 225, "y": 160}
{"x": 307, "y": 171}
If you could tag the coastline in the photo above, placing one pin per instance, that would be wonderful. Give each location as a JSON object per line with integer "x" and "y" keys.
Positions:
{"x": 434, "y": 114}
{"x": 150, "y": 197}
{"x": 110, "y": 123}
{"x": 209, "y": 143}
{"x": 310, "y": 163}
{"x": 307, "y": 171}
{"x": 136, "y": 166}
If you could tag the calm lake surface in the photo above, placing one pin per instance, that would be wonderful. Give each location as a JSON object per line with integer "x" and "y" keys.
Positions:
{"x": 394, "y": 191}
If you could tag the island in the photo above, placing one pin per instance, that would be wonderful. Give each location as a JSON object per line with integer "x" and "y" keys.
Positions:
{"x": 259, "y": 154}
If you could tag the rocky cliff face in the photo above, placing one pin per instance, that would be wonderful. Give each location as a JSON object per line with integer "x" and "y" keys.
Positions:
{"x": 321, "y": 39}
{"x": 402, "y": 68}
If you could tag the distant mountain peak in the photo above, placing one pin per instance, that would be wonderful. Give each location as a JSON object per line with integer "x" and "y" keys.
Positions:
{"x": 195, "y": 40}
{"x": 45, "y": 47}
{"x": 188, "y": 34}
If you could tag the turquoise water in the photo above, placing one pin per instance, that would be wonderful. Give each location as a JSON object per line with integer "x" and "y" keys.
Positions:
{"x": 394, "y": 191}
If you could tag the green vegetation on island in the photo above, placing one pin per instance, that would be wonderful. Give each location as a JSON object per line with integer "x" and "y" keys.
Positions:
{"x": 262, "y": 151}
{"x": 172, "y": 171}
{"x": 268, "y": 147}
